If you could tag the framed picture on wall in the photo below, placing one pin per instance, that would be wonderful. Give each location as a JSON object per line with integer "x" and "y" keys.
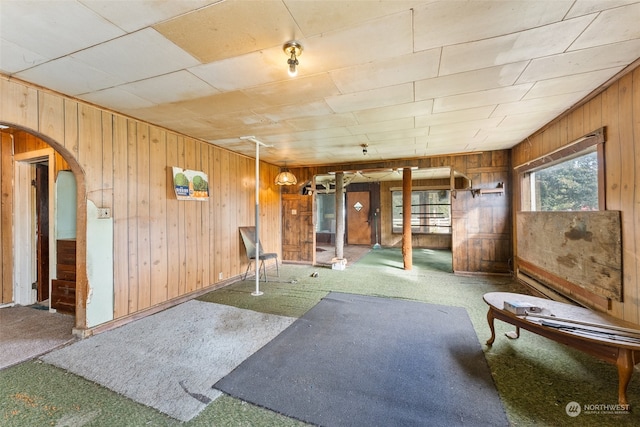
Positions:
{"x": 190, "y": 184}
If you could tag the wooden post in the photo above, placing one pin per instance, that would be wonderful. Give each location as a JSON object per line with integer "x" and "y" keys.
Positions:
{"x": 407, "y": 251}
{"x": 339, "y": 215}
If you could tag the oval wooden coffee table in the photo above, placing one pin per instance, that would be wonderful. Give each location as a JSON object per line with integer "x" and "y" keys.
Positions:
{"x": 598, "y": 334}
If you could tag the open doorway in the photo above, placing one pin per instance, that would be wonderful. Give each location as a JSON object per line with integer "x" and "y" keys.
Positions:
{"x": 371, "y": 210}
{"x": 33, "y": 227}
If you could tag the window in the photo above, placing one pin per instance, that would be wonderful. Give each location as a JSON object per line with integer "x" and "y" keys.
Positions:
{"x": 567, "y": 185}
{"x": 430, "y": 211}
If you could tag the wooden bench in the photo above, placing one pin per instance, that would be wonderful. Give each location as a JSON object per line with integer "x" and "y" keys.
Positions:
{"x": 598, "y": 334}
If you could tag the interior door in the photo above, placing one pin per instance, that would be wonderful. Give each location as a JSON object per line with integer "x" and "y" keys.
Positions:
{"x": 42, "y": 221}
{"x": 298, "y": 231}
{"x": 358, "y": 207}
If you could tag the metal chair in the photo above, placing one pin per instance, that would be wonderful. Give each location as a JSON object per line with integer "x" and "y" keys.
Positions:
{"x": 249, "y": 238}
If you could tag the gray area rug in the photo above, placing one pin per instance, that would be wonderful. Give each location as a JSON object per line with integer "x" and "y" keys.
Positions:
{"x": 364, "y": 361}
{"x": 26, "y": 333}
{"x": 168, "y": 361}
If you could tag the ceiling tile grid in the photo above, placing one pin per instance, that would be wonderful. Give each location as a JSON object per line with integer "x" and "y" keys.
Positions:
{"x": 408, "y": 78}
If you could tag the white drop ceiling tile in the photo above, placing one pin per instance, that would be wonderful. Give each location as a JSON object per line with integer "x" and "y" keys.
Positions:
{"x": 376, "y": 40}
{"x": 221, "y": 103}
{"x": 373, "y": 98}
{"x": 454, "y": 116}
{"x": 289, "y": 92}
{"x": 171, "y": 87}
{"x": 134, "y": 15}
{"x": 341, "y": 142}
{"x": 55, "y": 75}
{"x": 231, "y": 28}
{"x": 479, "y": 99}
{"x": 301, "y": 109}
{"x": 54, "y": 28}
{"x": 14, "y": 58}
{"x": 382, "y": 126}
{"x": 388, "y": 72}
{"x": 160, "y": 114}
{"x": 116, "y": 99}
{"x": 452, "y": 137}
{"x": 322, "y": 122}
{"x": 469, "y": 81}
{"x": 244, "y": 71}
{"x": 455, "y": 22}
{"x": 137, "y": 56}
{"x": 316, "y": 17}
{"x": 237, "y": 120}
{"x": 538, "y": 42}
{"x": 500, "y": 137}
{"x": 406, "y": 133}
{"x": 557, "y": 103}
{"x": 596, "y": 58}
{"x": 585, "y": 7}
{"x": 573, "y": 83}
{"x": 319, "y": 134}
{"x": 611, "y": 26}
{"x": 525, "y": 122}
{"x": 395, "y": 111}
{"x": 465, "y": 127}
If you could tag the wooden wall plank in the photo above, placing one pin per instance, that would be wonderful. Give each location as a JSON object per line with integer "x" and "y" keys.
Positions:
{"x": 627, "y": 191}
{"x": 173, "y": 247}
{"x": 144, "y": 216}
{"x": 71, "y": 127}
{"x": 633, "y": 294}
{"x": 191, "y": 229}
{"x": 18, "y": 104}
{"x": 226, "y": 212}
{"x": 205, "y": 220}
{"x": 120, "y": 219}
{"x": 51, "y": 116}
{"x": 107, "y": 160}
{"x": 6, "y": 215}
{"x": 132, "y": 214}
{"x": 90, "y": 156}
{"x": 182, "y": 225}
{"x": 216, "y": 190}
{"x": 198, "y": 206}
{"x": 158, "y": 216}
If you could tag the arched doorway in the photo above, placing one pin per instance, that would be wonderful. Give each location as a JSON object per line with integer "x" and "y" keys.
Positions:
{"x": 31, "y": 222}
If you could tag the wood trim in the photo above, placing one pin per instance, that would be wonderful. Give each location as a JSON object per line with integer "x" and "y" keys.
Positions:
{"x": 582, "y": 143}
{"x": 567, "y": 288}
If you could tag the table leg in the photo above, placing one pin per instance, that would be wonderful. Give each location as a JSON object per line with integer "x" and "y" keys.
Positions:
{"x": 625, "y": 369}
{"x": 490, "y": 319}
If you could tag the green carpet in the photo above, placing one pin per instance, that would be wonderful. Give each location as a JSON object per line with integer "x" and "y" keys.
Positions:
{"x": 536, "y": 378}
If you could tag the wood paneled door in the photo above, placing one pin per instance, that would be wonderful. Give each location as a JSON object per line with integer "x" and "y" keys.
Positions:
{"x": 358, "y": 207}
{"x": 41, "y": 184}
{"x": 298, "y": 232}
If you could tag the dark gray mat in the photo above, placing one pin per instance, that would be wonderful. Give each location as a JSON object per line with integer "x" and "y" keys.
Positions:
{"x": 356, "y": 360}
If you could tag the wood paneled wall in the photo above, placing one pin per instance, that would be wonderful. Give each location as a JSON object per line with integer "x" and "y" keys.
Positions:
{"x": 163, "y": 248}
{"x": 617, "y": 108}
{"x": 6, "y": 215}
{"x": 481, "y": 238}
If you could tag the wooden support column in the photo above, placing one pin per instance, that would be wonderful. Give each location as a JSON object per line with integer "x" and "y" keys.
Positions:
{"x": 339, "y": 215}
{"x": 407, "y": 251}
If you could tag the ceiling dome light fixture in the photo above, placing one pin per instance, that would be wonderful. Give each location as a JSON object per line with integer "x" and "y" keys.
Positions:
{"x": 293, "y": 49}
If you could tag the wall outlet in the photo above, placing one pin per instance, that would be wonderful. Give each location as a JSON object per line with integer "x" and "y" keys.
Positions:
{"x": 220, "y": 276}
{"x": 104, "y": 213}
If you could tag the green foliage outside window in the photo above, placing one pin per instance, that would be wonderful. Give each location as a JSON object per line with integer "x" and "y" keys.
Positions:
{"x": 568, "y": 186}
